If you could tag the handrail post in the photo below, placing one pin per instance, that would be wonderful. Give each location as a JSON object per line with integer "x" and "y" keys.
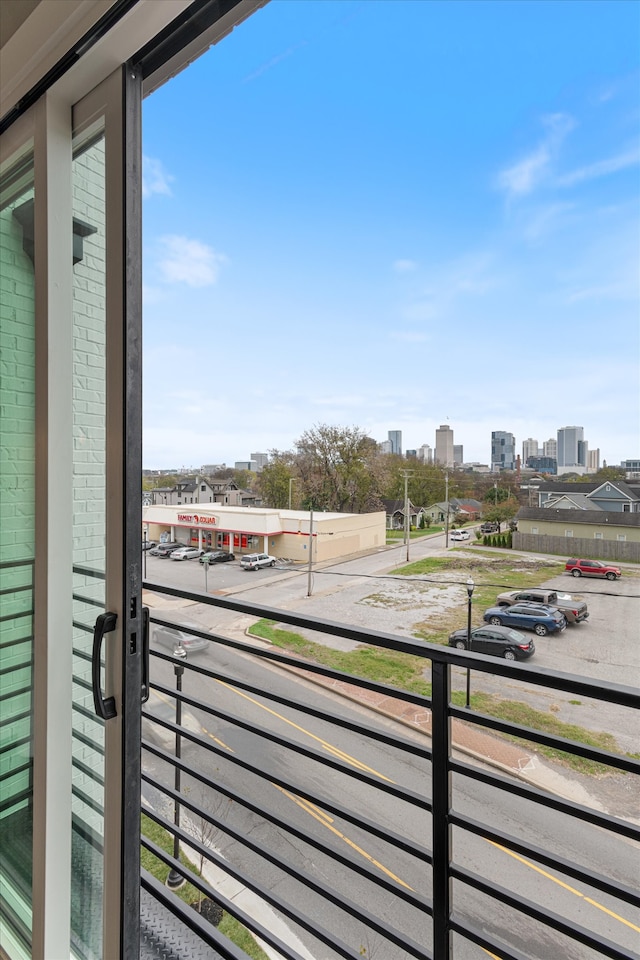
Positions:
{"x": 441, "y": 805}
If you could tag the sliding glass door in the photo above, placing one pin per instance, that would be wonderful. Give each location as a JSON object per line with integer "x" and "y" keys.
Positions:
{"x": 71, "y": 641}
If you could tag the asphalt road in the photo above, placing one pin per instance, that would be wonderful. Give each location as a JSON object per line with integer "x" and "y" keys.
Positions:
{"x": 384, "y": 764}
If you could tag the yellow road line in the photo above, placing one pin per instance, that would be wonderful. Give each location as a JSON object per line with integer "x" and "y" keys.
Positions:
{"x": 326, "y": 821}
{"x": 327, "y": 746}
{"x": 220, "y": 742}
{"x": 565, "y": 886}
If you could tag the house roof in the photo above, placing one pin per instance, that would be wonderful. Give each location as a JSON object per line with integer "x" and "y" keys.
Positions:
{"x": 397, "y": 506}
{"x": 612, "y": 518}
{"x": 580, "y": 501}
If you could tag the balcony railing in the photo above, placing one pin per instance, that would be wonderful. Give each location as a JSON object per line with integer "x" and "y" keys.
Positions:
{"x": 408, "y": 849}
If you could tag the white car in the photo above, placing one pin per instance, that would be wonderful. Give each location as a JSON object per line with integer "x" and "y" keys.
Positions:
{"x": 459, "y": 535}
{"x": 253, "y": 561}
{"x": 186, "y": 553}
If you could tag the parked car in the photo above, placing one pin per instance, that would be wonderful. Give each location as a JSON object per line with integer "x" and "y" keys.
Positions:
{"x": 575, "y": 611}
{"x": 495, "y": 641}
{"x": 539, "y": 617}
{"x": 592, "y": 568}
{"x": 148, "y": 544}
{"x": 164, "y": 549}
{"x": 164, "y": 708}
{"x": 186, "y": 553}
{"x": 178, "y": 636}
{"x": 216, "y": 556}
{"x": 253, "y": 561}
{"x": 459, "y": 535}
{"x": 488, "y": 527}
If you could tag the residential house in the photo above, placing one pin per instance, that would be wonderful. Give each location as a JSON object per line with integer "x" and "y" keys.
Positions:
{"x": 395, "y": 512}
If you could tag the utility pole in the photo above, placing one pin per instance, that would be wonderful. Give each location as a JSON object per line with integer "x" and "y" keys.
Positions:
{"x": 310, "y": 552}
{"x": 407, "y": 526}
{"x": 446, "y": 497}
{"x": 291, "y": 479}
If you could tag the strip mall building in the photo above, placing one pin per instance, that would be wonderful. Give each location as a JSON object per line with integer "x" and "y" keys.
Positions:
{"x": 282, "y": 533}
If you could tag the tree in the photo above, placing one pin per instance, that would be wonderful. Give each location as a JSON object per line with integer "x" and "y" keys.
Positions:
{"x": 337, "y": 468}
{"x": 496, "y": 495}
{"x": 274, "y": 481}
{"x": 502, "y": 511}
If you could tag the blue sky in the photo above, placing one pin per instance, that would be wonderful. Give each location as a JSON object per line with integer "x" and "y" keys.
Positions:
{"x": 392, "y": 215}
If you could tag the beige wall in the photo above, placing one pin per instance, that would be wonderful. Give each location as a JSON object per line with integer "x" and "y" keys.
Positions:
{"x": 583, "y": 531}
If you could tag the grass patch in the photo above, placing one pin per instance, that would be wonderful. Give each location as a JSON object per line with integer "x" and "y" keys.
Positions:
{"x": 394, "y": 535}
{"x": 407, "y": 673}
{"x": 372, "y": 663}
{"x": 228, "y": 926}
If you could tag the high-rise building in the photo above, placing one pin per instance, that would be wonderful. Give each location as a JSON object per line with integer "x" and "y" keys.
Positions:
{"x": 395, "y": 439}
{"x": 530, "y": 448}
{"x": 385, "y": 446}
{"x": 503, "y": 450}
{"x": 568, "y": 450}
{"x": 261, "y": 459}
{"x": 583, "y": 453}
{"x": 458, "y": 454}
{"x": 593, "y": 460}
{"x": 444, "y": 445}
{"x": 425, "y": 453}
{"x": 550, "y": 448}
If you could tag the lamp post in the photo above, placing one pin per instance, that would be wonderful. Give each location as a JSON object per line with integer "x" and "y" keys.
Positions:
{"x": 470, "y": 588}
{"x": 205, "y": 564}
{"x": 291, "y": 481}
{"x": 175, "y": 880}
{"x": 144, "y": 554}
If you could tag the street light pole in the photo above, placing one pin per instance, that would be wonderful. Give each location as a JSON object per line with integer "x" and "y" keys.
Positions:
{"x": 205, "y": 564}
{"x": 446, "y": 497}
{"x": 291, "y": 481}
{"x": 407, "y": 524}
{"x": 470, "y": 588}
{"x": 175, "y": 880}
{"x": 144, "y": 554}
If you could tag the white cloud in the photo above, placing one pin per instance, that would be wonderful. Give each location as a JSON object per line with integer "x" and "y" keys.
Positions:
{"x": 602, "y": 168}
{"x": 525, "y": 175}
{"x": 404, "y": 266}
{"x": 189, "y": 261}
{"x": 155, "y": 179}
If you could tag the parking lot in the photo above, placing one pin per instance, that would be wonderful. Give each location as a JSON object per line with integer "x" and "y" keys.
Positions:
{"x": 605, "y": 647}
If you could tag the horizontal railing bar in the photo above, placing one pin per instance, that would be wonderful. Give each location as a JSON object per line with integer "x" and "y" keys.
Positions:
{"x": 17, "y": 588}
{"x": 17, "y": 717}
{"x": 493, "y": 948}
{"x": 87, "y": 628}
{"x": 81, "y": 682}
{"x": 10, "y": 564}
{"x": 14, "y": 771}
{"x": 88, "y": 771}
{"x": 548, "y": 918}
{"x": 18, "y": 615}
{"x": 16, "y": 642}
{"x": 355, "y": 727}
{"x": 322, "y": 889}
{"x": 394, "y": 839}
{"x": 617, "y": 890}
{"x": 85, "y": 656}
{"x": 205, "y": 930}
{"x": 409, "y": 796}
{"x": 13, "y": 744}
{"x": 568, "y": 683}
{"x": 628, "y": 764}
{"x": 86, "y": 712}
{"x": 575, "y": 811}
{"x": 88, "y": 572}
{"x": 88, "y": 600}
{"x": 94, "y": 805}
{"x": 16, "y": 799}
{"x": 87, "y": 741}
{"x": 345, "y": 859}
{"x": 16, "y": 692}
{"x": 25, "y": 665}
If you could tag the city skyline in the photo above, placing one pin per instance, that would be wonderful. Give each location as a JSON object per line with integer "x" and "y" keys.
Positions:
{"x": 394, "y": 246}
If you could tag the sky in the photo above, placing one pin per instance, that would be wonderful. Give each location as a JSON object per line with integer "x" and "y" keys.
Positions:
{"x": 394, "y": 214}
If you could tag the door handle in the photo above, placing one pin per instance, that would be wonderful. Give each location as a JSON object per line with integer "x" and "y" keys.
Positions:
{"x": 105, "y": 707}
{"x": 145, "y": 655}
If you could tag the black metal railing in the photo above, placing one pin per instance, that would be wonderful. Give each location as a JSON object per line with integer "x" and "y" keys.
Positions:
{"x": 441, "y": 859}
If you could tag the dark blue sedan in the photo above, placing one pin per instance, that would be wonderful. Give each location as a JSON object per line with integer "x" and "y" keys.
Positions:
{"x": 539, "y": 617}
